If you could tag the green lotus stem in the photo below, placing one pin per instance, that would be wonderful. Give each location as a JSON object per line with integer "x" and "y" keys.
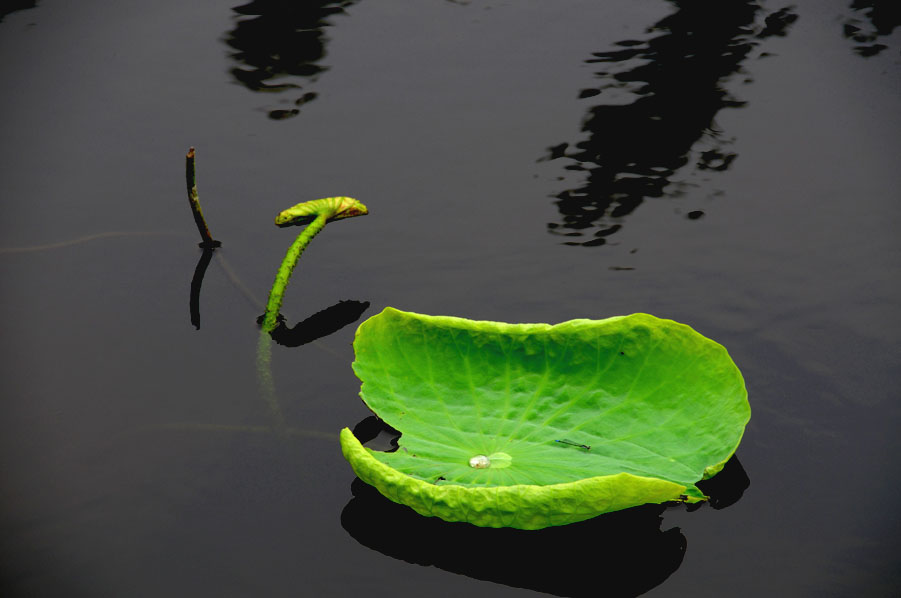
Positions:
{"x": 273, "y": 306}
{"x": 315, "y": 214}
{"x": 194, "y": 201}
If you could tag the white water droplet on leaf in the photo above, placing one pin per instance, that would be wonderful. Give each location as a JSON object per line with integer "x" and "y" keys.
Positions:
{"x": 480, "y": 462}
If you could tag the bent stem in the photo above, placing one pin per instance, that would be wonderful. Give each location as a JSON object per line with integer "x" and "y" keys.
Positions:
{"x": 315, "y": 214}
{"x": 274, "y": 305}
{"x": 270, "y": 320}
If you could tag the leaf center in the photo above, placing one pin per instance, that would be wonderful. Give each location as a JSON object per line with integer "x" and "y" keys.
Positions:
{"x": 494, "y": 460}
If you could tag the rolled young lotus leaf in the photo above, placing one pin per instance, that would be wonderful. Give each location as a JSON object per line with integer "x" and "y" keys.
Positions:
{"x": 332, "y": 208}
{"x": 533, "y": 425}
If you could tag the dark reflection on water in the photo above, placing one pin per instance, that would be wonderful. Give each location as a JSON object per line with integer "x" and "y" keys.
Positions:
{"x": 196, "y": 282}
{"x": 625, "y": 553}
{"x": 872, "y": 20}
{"x": 280, "y": 45}
{"x": 322, "y": 323}
{"x": 376, "y": 434}
{"x": 8, "y": 6}
{"x": 619, "y": 554}
{"x": 727, "y": 487}
{"x": 664, "y": 93}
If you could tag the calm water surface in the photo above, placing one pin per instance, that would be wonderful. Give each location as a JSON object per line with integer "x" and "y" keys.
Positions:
{"x": 729, "y": 164}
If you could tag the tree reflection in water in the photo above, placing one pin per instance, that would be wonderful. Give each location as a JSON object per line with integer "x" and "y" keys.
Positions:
{"x": 880, "y": 18}
{"x": 10, "y": 6}
{"x": 664, "y": 93}
{"x": 280, "y": 45}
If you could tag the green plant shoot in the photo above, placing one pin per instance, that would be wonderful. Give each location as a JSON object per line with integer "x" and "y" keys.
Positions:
{"x": 315, "y": 214}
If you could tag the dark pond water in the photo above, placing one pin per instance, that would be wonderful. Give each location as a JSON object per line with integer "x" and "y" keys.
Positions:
{"x": 730, "y": 164}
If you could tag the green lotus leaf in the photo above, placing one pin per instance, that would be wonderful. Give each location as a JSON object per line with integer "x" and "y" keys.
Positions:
{"x": 533, "y": 425}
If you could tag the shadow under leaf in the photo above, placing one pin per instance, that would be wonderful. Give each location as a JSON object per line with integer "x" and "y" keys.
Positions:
{"x": 727, "y": 487}
{"x": 625, "y": 553}
{"x": 618, "y": 554}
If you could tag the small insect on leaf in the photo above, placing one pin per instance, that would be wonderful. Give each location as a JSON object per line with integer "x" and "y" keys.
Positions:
{"x": 571, "y": 443}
